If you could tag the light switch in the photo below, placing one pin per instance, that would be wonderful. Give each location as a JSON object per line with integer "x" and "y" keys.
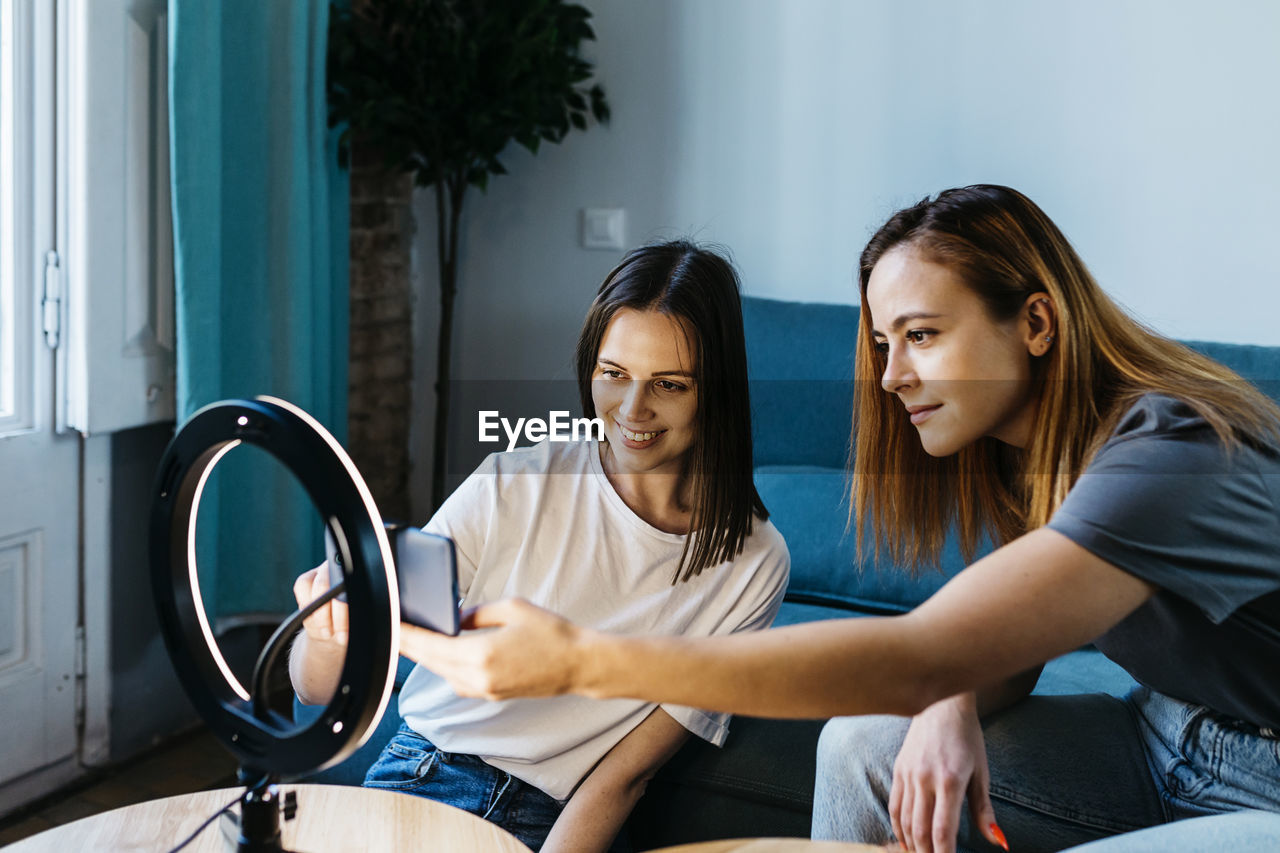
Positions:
{"x": 604, "y": 228}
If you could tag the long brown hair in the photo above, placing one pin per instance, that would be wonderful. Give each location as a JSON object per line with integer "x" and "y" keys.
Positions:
{"x": 1006, "y": 249}
{"x": 701, "y": 288}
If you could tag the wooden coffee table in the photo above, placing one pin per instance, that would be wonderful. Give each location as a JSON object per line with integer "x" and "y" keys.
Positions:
{"x": 330, "y": 817}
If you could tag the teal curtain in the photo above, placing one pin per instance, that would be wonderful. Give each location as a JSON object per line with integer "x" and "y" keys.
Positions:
{"x": 260, "y": 239}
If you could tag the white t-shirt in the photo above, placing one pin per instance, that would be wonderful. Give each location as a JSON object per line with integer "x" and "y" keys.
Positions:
{"x": 543, "y": 523}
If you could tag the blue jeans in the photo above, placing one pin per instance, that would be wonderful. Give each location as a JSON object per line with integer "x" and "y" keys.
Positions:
{"x": 1069, "y": 770}
{"x": 411, "y": 764}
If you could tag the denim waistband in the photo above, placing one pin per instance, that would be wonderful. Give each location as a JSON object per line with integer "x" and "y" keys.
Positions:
{"x": 1158, "y": 706}
{"x": 1250, "y": 729}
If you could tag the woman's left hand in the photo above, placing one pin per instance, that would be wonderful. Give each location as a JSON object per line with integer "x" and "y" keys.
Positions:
{"x": 528, "y": 651}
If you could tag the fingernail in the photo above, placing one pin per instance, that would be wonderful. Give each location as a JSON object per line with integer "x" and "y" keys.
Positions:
{"x": 994, "y": 829}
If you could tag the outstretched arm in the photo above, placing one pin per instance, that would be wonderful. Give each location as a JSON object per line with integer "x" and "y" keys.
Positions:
{"x": 1035, "y": 598}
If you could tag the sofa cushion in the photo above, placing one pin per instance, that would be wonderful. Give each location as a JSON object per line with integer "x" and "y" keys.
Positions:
{"x": 800, "y": 360}
{"x": 1085, "y": 670}
{"x": 1260, "y": 365}
{"x": 809, "y": 506}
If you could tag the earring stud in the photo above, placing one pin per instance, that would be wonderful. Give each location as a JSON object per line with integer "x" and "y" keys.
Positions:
{"x": 1048, "y": 339}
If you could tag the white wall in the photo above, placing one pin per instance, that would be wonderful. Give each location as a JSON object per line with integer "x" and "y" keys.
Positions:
{"x": 788, "y": 130}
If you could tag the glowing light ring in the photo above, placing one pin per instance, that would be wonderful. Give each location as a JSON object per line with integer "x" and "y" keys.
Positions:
{"x": 339, "y": 493}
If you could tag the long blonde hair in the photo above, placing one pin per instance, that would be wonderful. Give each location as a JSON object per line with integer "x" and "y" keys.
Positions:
{"x": 1005, "y": 248}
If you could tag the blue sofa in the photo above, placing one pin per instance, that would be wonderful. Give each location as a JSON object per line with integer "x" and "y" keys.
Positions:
{"x": 761, "y": 782}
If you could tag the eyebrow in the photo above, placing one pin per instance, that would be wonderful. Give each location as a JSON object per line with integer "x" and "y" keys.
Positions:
{"x": 686, "y": 374}
{"x": 907, "y": 318}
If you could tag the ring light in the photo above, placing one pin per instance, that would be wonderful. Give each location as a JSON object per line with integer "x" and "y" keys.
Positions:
{"x": 265, "y": 743}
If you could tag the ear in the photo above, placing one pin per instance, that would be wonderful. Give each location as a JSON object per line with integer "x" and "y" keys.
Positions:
{"x": 1039, "y": 323}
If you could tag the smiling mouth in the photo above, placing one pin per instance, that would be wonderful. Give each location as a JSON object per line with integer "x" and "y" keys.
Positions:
{"x": 639, "y": 437}
{"x": 920, "y": 414}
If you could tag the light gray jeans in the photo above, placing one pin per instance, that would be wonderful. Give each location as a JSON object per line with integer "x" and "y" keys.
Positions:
{"x": 1111, "y": 774}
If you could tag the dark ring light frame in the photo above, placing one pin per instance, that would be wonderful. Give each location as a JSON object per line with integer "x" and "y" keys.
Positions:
{"x": 338, "y": 491}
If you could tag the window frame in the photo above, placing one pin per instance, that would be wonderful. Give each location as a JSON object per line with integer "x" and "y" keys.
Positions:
{"x": 15, "y": 302}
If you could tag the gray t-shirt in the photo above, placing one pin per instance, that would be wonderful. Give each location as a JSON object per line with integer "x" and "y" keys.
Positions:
{"x": 1165, "y": 500}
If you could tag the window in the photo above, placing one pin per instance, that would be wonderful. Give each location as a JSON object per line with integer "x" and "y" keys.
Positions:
{"x": 7, "y": 296}
{"x": 82, "y": 238}
{"x": 27, "y": 108}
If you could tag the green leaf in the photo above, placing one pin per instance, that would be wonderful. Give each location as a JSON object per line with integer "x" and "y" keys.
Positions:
{"x": 439, "y": 86}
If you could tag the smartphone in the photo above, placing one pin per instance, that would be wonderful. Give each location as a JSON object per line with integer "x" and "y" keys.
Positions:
{"x": 426, "y": 570}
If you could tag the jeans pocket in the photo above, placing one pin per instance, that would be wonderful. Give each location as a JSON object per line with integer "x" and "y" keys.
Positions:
{"x": 525, "y": 811}
{"x": 1244, "y": 764}
{"x": 406, "y": 762}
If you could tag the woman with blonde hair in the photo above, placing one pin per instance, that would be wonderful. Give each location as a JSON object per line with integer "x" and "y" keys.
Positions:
{"x": 1132, "y": 487}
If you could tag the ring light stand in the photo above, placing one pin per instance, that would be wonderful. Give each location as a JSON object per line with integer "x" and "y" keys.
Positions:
{"x": 267, "y": 745}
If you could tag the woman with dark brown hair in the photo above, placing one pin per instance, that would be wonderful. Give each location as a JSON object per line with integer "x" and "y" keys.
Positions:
{"x": 1132, "y": 487}
{"x": 655, "y": 527}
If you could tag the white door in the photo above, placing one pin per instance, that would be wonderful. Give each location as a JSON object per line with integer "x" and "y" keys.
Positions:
{"x": 39, "y": 469}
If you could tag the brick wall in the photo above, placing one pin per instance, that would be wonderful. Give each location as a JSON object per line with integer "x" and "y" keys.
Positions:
{"x": 381, "y": 368}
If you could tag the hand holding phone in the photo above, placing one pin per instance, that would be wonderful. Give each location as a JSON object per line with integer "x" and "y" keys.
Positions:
{"x": 329, "y": 623}
{"x": 426, "y": 570}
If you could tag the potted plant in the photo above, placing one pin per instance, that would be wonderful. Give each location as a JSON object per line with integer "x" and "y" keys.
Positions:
{"x": 440, "y": 88}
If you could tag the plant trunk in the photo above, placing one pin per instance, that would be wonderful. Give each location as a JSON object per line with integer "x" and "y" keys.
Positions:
{"x": 449, "y": 195}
